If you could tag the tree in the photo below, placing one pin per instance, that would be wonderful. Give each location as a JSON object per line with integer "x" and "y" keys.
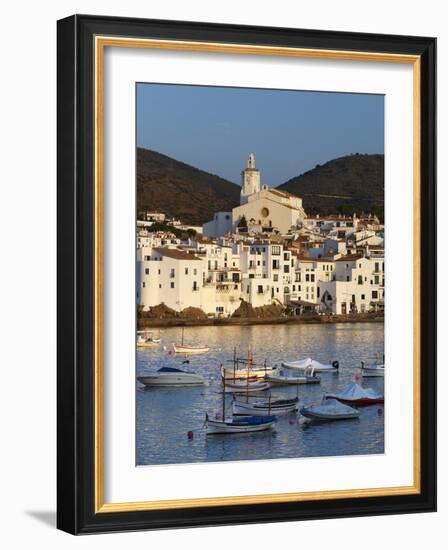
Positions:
{"x": 243, "y": 222}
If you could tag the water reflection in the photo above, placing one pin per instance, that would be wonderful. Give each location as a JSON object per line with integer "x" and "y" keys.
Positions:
{"x": 166, "y": 415}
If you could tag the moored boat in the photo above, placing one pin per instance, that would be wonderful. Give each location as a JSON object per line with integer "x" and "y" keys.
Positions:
{"x": 265, "y": 407}
{"x": 311, "y": 364}
{"x": 190, "y": 350}
{"x": 147, "y": 339}
{"x": 285, "y": 378}
{"x": 374, "y": 370}
{"x": 357, "y": 395}
{"x": 170, "y": 376}
{"x": 246, "y": 386}
{"x": 239, "y": 425}
{"x": 329, "y": 409}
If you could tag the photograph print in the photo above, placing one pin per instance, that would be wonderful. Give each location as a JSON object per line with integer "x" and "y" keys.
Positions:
{"x": 260, "y": 274}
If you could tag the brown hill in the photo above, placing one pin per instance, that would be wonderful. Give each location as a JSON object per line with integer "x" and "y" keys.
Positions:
{"x": 344, "y": 185}
{"x": 180, "y": 190}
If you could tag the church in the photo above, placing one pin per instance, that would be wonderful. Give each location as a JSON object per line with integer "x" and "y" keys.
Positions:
{"x": 261, "y": 208}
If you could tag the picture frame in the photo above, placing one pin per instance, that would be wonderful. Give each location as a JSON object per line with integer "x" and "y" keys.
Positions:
{"x": 82, "y": 41}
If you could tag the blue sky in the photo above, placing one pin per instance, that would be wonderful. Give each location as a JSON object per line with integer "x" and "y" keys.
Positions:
{"x": 215, "y": 128}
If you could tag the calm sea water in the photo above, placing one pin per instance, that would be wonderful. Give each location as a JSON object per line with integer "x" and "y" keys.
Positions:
{"x": 166, "y": 415}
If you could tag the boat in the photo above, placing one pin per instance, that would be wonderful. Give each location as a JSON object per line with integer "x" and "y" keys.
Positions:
{"x": 147, "y": 339}
{"x": 357, "y": 395}
{"x": 311, "y": 363}
{"x": 372, "y": 371}
{"x": 239, "y": 425}
{"x": 265, "y": 407}
{"x": 189, "y": 350}
{"x": 246, "y": 386}
{"x": 170, "y": 376}
{"x": 253, "y": 374}
{"x": 285, "y": 378}
{"x": 329, "y": 409}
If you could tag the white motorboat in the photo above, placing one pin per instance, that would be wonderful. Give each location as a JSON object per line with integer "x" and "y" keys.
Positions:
{"x": 170, "y": 376}
{"x": 147, "y": 339}
{"x": 372, "y": 371}
{"x": 285, "y": 378}
{"x": 355, "y": 394}
{"x": 329, "y": 409}
{"x": 189, "y": 349}
{"x": 239, "y": 425}
{"x": 311, "y": 364}
{"x": 265, "y": 407}
{"x": 246, "y": 386}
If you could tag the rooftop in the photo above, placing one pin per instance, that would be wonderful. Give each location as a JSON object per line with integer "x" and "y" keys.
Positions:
{"x": 176, "y": 254}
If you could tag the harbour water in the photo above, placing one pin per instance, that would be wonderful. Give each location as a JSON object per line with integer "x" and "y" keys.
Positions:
{"x": 165, "y": 416}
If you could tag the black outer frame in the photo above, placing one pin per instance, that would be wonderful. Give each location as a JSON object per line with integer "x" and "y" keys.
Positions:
{"x": 75, "y": 310}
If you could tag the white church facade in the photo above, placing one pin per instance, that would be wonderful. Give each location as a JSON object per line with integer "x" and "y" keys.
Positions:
{"x": 263, "y": 209}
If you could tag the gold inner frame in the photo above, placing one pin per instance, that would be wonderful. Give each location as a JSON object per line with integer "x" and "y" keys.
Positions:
{"x": 101, "y": 42}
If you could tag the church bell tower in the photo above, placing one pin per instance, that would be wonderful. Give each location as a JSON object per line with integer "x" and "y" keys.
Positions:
{"x": 250, "y": 179}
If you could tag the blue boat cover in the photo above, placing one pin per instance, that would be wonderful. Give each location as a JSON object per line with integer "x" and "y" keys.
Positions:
{"x": 169, "y": 369}
{"x": 255, "y": 420}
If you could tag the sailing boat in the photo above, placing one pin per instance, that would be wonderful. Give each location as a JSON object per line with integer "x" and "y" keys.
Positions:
{"x": 190, "y": 350}
{"x": 235, "y": 425}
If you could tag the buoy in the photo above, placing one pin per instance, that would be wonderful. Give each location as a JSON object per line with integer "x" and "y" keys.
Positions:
{"x": 190, "y": 435}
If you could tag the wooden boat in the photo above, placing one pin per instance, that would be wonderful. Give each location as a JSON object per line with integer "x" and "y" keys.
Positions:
{"x": 170, "y": 376}
{"x": 329, "y": 409}
{"x": 285, "y": 378}
{"x": 240, "y": 425}
{"x": 147, "y": 339}
{"x": 311, "y": 363}
{"x": 253, "y": 374}
{"x": 246, "y": 386}
{"x": 189, "y": 350}
{"x": 265, "y": 407}
{"x": 374, "y": 370}
{"x": 355, "y": 394}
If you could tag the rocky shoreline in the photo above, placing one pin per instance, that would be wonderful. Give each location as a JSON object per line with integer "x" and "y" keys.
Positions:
{"x": 145, "y": 322}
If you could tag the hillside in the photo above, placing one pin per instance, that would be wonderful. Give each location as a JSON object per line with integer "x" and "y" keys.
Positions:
{"x": 181, "y": 191}
{"x": 347, "y": 184}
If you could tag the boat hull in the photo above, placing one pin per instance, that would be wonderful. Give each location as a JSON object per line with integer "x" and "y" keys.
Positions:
{"x": 243, "y": 387}
{"x": 291, "y": 380}
{"x": 244, "y": 374}
{"x": 190, "y": 350}
{"x": 171, "y": 379}
{"x": 364, "y": 401}
{"x": 292, "y": 365}
{"x": 308, "y": 412}
{"x": 248, "y": 409}
{"x": 215, "y": 427}
{"x": 376, "y": 372}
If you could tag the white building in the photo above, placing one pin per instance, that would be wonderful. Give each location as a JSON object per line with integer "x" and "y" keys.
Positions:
{"x": 264, "y": 209}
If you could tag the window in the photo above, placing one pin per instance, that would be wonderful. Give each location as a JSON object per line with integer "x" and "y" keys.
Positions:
{"x": 147, "y": 271}
{"x": 251, "y": 276}
{"x": 374, "y": 294}
{"x": 359, "y": 279}
{"x": 260, "y": 289}
{"x": 318, "y": 291}
{"x": 143, "y": 285}
{"x": 307, "y": 278}
{"x": 276, "y": 250}
{"x": 363, "y": 296}
{"x": 286, "y": 268}
{"x": 195, "y": 271}
{"x": 377, "y": 267}
{"x": 172, "y": 285}
{"x": 377, "y": 279}
{"x": 312, "y": 278}
{"x": 159, "y": 271}
{"x": 186, "y": 271}
{"x": 219, "y": 309}
{"x": 160, "y": 286}
{"x": 347, "y": 278}
{"x": 172, "y": 272}
{"x": 195, "y": 285}
{"x": 275, "y": 278}
{"x": 147, "y": 258}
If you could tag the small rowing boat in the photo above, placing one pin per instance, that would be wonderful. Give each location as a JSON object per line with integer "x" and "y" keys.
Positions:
{"x": 240, "y": 425}
{"x": 246, "y": 386}
{"x": 147, "y": 339}
{"x": 265, "y": 407}
{"x": 189, "y": 349}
